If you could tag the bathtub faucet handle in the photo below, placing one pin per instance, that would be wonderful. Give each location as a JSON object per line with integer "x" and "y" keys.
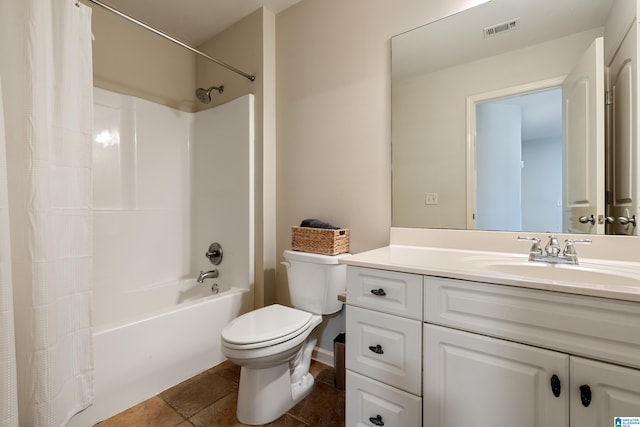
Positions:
{"x": 214, "y": 253}
{"x": 212, "y": 274}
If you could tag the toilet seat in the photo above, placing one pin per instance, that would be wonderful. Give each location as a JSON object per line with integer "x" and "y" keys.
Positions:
{"x": 265, "y": 327}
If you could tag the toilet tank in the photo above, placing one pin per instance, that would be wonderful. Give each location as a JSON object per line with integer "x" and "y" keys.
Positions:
{"x": 315, "y": 281}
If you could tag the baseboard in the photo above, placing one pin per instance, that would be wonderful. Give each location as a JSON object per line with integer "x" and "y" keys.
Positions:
{"x": 323, "y": 356}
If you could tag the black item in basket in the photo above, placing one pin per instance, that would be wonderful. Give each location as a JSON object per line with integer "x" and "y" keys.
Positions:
{"x": 316, "y": 223}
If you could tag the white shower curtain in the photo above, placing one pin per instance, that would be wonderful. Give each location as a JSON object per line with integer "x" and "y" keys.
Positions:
{"x": 8, "y": 387}
{"x": 46, "y": 360}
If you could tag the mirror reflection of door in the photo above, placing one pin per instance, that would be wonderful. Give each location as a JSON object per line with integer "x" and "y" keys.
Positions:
{"x": 518, "y": 162}
{"x": 583, "y": 155}
{"x": 622, "y": 150}
{"x": 562, "y": 193}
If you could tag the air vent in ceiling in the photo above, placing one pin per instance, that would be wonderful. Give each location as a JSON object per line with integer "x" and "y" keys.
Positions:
{"x": 500, "y": 28}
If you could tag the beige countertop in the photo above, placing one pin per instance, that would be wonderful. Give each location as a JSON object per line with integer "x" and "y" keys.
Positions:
{"x": 592, "y": 277}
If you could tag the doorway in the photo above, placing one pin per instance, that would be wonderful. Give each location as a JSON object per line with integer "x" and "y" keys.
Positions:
{"x": 517, "y": 159}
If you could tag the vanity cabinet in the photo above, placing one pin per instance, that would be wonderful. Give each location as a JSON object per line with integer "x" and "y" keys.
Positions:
{"x": 488, "y": 355}
{"x": 527, "y": 352}
{"x": 487, "y": 376}
{"x": 384, "y": 348}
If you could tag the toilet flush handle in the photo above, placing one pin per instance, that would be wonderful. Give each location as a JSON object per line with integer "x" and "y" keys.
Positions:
{"x": 286, "y": 264}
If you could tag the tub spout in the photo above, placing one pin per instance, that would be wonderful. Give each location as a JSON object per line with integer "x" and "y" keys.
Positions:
{"x": 207, "y": 275}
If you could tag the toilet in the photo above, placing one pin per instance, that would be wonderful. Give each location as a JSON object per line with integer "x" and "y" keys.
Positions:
{"x": 272, "y": 344}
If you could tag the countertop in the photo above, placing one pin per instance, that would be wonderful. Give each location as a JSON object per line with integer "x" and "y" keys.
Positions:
{"x": 468, "y": 265}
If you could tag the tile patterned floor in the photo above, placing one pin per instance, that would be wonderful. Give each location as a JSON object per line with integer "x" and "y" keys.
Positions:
{"x": 209, "y": 399}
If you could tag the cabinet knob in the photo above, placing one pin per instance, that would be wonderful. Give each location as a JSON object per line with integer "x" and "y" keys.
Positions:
{"x": 378, "y": 292}
{"x": 555, "y": 385}
{"x": 585, "y": 395}
{"x": 377, "y": 349}
{"x": 377, "y": 420}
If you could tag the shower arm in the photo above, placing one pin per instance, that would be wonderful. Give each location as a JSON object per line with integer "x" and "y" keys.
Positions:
{"x": 176, "y": 41}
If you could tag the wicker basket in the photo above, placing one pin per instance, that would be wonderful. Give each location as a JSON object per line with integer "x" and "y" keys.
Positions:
{"x": 320, "y": 240}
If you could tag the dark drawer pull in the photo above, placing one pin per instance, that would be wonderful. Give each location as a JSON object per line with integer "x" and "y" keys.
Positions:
{"x": 378, "y": 292}
{"x": 377, "y": 420}
{"x": 555, "y": 385}
{"x": 377, "y": 349}
{"x": 585, "y": 395}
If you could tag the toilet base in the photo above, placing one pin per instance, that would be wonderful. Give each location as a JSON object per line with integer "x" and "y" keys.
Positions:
{"x": 266, "y": 394}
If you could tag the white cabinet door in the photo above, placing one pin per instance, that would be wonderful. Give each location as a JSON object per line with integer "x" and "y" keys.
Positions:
{"x": 474, "y": 380}
{"x": 623, "y": 146}
{"x": 601, "y": 392}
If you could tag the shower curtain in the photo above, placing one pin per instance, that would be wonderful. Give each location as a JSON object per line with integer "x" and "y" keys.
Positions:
{"x": 46, "y": 360}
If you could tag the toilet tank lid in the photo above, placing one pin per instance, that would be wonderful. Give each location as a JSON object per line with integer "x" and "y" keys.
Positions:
{"x": 313, "y": 258}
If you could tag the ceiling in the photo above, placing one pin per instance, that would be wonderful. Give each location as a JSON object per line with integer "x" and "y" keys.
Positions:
{"x": 194, "y": 21}
{"x": 459, "y": 39}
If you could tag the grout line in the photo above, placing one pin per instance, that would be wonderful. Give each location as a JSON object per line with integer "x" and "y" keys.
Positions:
{"x": 300, "y": 420}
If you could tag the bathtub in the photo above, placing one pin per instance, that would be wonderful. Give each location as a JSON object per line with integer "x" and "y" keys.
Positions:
{"x": 178, "y": 337}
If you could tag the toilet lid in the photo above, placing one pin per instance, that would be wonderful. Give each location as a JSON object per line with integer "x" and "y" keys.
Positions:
{"x": 265, "y": 324}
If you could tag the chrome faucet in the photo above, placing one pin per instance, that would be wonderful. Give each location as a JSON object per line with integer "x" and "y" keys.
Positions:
{"x": 552, "y": 250}
{"x": 212, "y": 274}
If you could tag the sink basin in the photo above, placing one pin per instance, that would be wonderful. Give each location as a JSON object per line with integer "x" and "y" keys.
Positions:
{"x": 590, "y": 274}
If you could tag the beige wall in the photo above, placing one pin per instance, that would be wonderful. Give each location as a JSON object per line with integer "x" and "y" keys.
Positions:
{"x": 240, "y": 46}
{"x": 333, "y": 119}
{"x": 131, "y": 60}
{"x": 333, "y": 115}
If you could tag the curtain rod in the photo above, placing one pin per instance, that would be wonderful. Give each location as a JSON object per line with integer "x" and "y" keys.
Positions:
{"x": 176, "y": 41}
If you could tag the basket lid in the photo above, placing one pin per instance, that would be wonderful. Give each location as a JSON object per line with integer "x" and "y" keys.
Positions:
{"x": 313, "y": 257}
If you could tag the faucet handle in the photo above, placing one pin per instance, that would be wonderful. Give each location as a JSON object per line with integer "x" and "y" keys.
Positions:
{"x": 535, "y": 246}
{"x": 569, "y": 248}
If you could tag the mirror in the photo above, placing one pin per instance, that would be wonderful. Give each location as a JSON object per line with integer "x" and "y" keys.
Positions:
{"x": 495, "y": 60}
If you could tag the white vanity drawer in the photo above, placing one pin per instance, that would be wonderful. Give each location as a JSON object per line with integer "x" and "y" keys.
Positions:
{"x": 386, "y": 348}
{"x": 597, "y": 328}
{"x": 385, "y": 291}
{"x": 372, "y": 403}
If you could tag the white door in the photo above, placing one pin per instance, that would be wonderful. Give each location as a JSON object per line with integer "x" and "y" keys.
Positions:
{"x": 583, "y": 145}
{"x": 601, "y": 392}
{"x": 474, "y": 380}
{"x": 623, "y": 146}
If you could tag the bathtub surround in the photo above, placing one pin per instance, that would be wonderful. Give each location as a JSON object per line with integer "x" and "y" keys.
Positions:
{"x": 46, "y": 255}
{"x": 166, "y": 185}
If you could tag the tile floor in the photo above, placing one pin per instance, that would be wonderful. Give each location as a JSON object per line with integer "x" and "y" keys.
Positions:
{"x": 209, "y": 399}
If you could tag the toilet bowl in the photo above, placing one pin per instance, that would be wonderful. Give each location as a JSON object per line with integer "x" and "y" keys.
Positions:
{"x": 272, "y": 345}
